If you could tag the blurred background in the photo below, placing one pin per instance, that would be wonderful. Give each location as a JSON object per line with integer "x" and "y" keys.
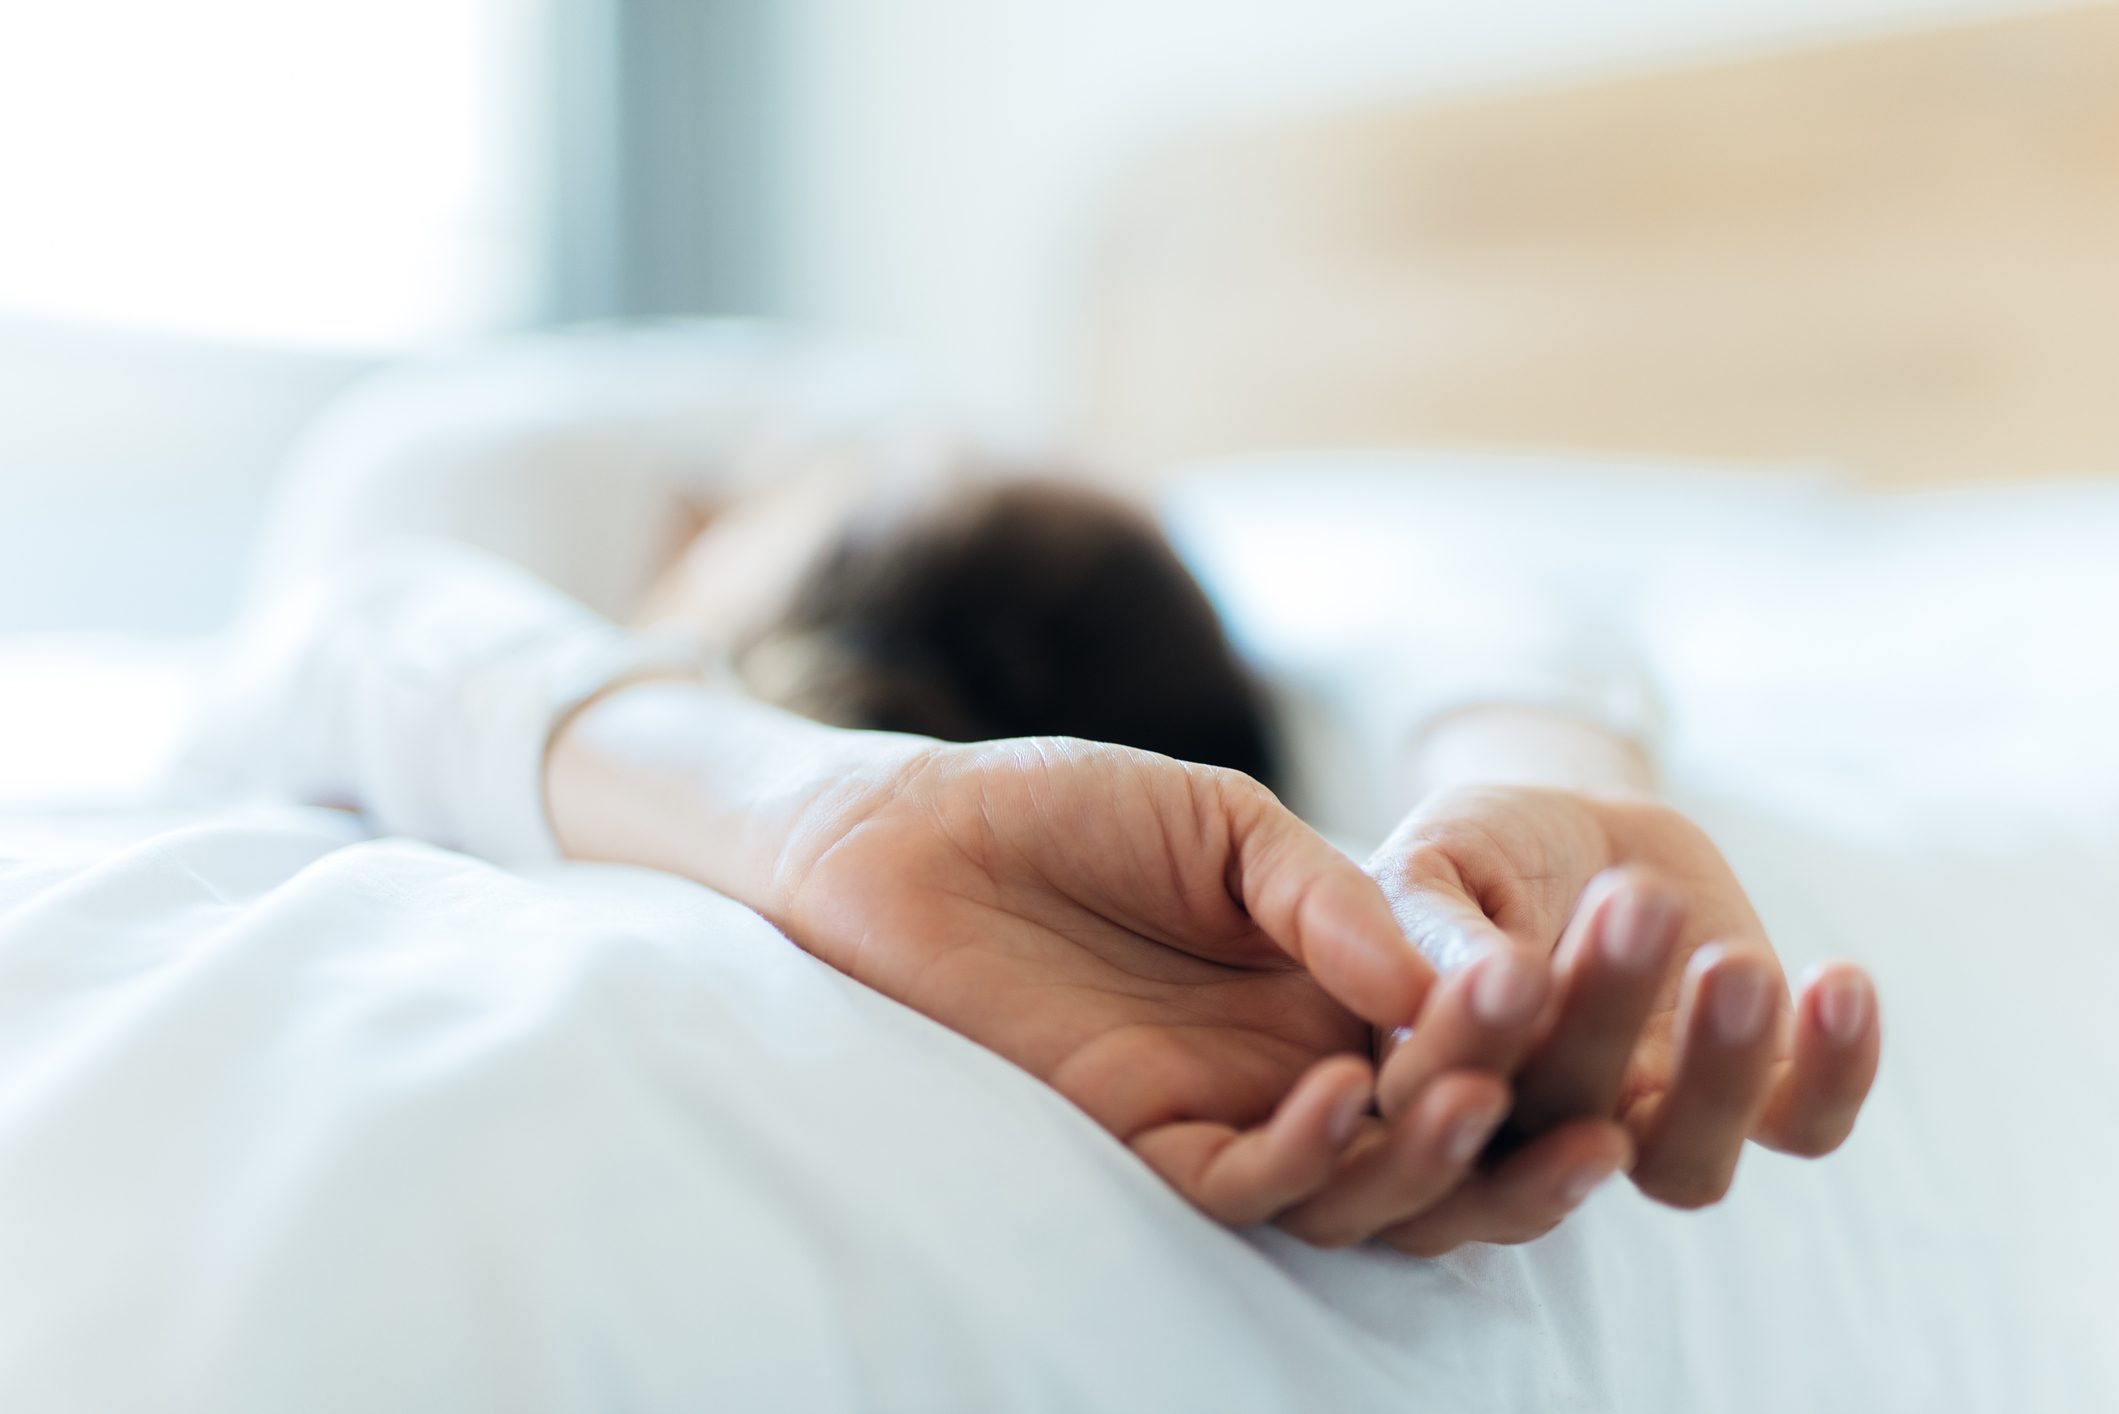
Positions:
{"x": 214, "y": 214}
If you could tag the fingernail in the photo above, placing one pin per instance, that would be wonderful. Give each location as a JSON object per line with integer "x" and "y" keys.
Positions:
{"x": 1739, "y": 1004}
{"x": 1507, "y": 990}
{"x": 1346, "y": 1119}
{"x": 1637, "y": 930}
{"x": 1584, "y": 1182}
{"x": 1469, "y": 1135}
{"x": 1843, "y": 1007}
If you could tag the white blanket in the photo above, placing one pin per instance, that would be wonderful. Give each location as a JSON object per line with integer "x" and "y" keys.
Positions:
{"x": 292, "y": 1119}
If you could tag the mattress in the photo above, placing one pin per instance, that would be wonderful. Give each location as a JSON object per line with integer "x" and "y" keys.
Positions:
{"x": 295, "y": 1118}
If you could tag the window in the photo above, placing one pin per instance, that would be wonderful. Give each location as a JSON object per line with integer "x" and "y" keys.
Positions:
{"x": 288, "y": 172}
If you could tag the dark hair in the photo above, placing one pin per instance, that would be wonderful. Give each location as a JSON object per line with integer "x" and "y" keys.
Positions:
{"x": 1026, "y": 608}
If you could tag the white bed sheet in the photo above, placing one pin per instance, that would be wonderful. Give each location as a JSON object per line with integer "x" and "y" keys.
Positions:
{"x": 292, "y": 1119}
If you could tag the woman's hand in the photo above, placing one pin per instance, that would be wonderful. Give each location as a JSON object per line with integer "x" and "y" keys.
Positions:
{"x": 1661, "y": 1035}
{"x": 1164, "y": 944}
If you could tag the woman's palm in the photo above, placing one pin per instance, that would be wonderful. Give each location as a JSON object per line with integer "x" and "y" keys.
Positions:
{"x": 1126, "y": 928}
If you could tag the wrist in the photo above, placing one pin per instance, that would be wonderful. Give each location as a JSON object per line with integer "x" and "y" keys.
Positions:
{"x": 1504, "y": 745}
{"x": 697, "y": 779}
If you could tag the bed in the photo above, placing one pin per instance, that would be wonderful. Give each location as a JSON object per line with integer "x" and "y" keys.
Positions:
{"x": 292, "y": 1118}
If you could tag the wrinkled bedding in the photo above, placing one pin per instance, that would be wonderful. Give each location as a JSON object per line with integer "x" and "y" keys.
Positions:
{"x": 291, "y": 1118}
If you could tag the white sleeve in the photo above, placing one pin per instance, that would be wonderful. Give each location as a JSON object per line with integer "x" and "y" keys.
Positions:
{"x": 1511, "y": 644}
{"x": 1377, "y": 599}
{"x": 453, "y": 540}
{"x": 1354, "y": 712}
{"x": 576, "y": 453}
{"x": 419, "y": 684}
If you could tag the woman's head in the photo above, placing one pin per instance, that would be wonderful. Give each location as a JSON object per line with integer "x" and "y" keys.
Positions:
{"x": 1000, "y": 608}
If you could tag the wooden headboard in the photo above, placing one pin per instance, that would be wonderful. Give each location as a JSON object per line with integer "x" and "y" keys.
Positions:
{"x": 1899, "y": 256}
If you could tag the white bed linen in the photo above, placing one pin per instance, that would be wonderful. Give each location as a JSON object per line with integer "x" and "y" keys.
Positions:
{"x": 292, "y": 1119}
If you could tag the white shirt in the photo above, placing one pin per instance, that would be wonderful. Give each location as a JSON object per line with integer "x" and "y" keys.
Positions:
{"x": 441, "y": 580}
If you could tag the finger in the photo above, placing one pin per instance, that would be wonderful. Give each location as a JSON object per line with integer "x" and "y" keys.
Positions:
{"x": 1421, "y": 1156}
{"x": 1729, "y": 1017}
{"x": 1482, "y": 1016}
{"x": 1437, "y": 914}
{"x": 1324, "y": 912}
{"x": 1838, "y": 1039}
{"x": 1610, "y": 964}
{"x": 1242, "y": 1177}
{"x": 1526, "y": 1196}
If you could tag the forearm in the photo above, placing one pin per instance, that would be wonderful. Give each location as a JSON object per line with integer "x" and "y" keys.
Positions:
{"x": 696, "y": 779}
{"x": 1526, "y": 746}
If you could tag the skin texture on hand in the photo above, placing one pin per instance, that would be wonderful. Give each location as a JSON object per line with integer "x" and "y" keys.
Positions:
{"x": 1648, "y": 1000}
{"x": 1203, "y": 975}
{"x": 1164, "y": 944}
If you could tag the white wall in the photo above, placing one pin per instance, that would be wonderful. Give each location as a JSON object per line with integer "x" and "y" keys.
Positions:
{"x": 948, "y": 155}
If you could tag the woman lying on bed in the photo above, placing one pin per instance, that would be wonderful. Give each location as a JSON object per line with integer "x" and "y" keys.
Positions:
{"x": 979, "y": 742}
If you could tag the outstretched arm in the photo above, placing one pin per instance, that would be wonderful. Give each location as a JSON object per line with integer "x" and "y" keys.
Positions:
{"x": 1163, "y": 943}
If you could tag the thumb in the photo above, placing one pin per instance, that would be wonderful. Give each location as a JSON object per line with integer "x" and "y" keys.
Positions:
{"x": 1444, "y": 923}
{"x": 1319, "y": 908}
{"x": 1438, "y": 913}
